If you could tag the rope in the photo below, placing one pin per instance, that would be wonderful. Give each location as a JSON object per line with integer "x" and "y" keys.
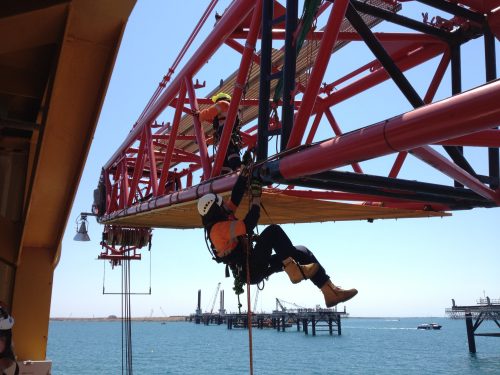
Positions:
{"x": 248, "y": 248}
{"x": 126, "y": 320}
{"x": 249, "y": 307}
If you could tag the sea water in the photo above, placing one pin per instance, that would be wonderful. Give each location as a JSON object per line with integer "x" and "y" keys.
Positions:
{"x": 366, "y": 346}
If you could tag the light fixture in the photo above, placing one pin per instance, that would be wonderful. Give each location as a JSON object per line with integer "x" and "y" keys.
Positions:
{"x": 81, "y": 228}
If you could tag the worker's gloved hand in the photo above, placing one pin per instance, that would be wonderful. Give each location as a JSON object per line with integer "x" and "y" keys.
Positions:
{"x": 196, "y": 113}
{"x": 247, "y": 158}
{"x": 256, "y": 187}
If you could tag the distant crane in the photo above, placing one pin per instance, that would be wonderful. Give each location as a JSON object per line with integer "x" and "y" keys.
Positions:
{"x": 215, "y": 297}
{"x": 280, "y": 305}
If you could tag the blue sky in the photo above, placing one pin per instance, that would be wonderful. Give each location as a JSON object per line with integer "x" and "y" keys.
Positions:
{"x": 410, "y": 267}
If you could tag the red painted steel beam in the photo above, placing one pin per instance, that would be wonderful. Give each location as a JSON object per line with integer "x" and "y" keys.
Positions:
{"x": 171, "y": 142}
{"x": 124, "y": 192}
{"x": 429, "y": 96}
{"x": 318, "y": 71}
{"x": 337, "y": 131}
{"x": 243, "y": 102}
{"x": 239, "y": 86}
{"x": 231, "y": 19}
{"x": 345, "y": 36}
{"x": 198, "y": 130}
{"x": 438, "y": 77}
{"x": 370, "y": 200}
{"x": 179, "y": 57}
{"x": 335, "y": 195}
{"x": 314, "y": 128}
{"x": 178, "y": 137}
{"x": 398, "y": 163}
{"x": 138, "y": 168}
{"x": 152, "y": 159}
{"x": 465, "y": 113}
{"x": 380, "y": 75}
{"x": 219, "y": 185}
{"x": 438, "y": 161}
{"x": 485, "y": 138}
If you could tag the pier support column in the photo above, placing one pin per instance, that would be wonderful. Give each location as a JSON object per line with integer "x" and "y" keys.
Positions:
{"x": 339, "y": 330}
{"x": 306, "y": 329}
{"x": 313, "y": 325}
{"x": 31, "y": 302}
{"x": 470, "y": 332}
{"x": 330, "y": 326}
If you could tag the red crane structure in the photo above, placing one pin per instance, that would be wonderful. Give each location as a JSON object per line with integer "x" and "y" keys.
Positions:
{"x": 285, "y": 91}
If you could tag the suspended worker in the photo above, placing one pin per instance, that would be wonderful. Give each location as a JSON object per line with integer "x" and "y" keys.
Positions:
{"x": 7, "y": 356}
{"x": 227, "y": 236}
{"x": 216, "y": 114}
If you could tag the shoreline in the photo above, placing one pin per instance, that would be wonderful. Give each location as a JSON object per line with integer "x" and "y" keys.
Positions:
{"x": 175, "y": 318}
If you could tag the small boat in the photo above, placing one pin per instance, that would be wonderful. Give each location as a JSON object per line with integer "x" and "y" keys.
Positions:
{"x": 429, "y": 326}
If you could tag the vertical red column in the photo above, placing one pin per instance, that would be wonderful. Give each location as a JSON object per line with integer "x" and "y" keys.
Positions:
{"x": 171, "y": 140}
{"x": 198, "y": 129}
{"x": 246, "y": 60}
{"x": 325, "y": 50}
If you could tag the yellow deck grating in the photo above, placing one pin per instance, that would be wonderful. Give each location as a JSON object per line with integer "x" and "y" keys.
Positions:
{"x": 282, "y": 209}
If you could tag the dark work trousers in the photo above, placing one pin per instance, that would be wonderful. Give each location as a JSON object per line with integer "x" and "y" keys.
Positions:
{"x": 232, "y": 159}
{"x": 263, "y": 263}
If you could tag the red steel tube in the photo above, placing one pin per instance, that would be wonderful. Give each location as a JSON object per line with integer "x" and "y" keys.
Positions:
{"x": 231, "y": 19}
{"x": 314, "y": 128}
{"x": 239, "y": 85}
{"x": 485, "y": 138}
{"x": 219, "y": 185}
{"x": 346, "y": 36}
{"x": 152, "y": 159}
{"x": 398, "y": 163}
{"x": 438, "y": 77}
{"x": 171, "y": 142}
{"x": 198, "y": 130}
{"x": 380, "y": 75}
{"x": 318, "y": 71}
{"x": 138, "y": 169}
{"x": 465, "y": 113}
{"x": 123, "y": 185}
{"x": 337, "y": 131}
{"x": 438, "y": 161}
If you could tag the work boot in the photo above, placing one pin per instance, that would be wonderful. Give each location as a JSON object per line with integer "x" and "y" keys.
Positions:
{"x": 334, "y": 295}
{"x": 297, "y": 272}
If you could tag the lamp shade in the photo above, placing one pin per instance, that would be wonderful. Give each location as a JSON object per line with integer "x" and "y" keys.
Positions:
{"x": 82, "y": 234}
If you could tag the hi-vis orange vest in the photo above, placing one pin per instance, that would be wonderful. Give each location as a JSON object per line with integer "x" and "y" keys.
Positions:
{"x": 219, "y": 110}
{"x": 224, "y": 234}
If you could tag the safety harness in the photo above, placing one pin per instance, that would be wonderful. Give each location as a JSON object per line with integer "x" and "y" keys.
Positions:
{"x": 235, "y": 135}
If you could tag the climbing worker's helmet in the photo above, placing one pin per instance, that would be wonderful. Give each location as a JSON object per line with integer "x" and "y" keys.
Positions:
{"x": 221, "y": 96}
{"x": 6, "y": 321}
{"x": 206, "y": 202}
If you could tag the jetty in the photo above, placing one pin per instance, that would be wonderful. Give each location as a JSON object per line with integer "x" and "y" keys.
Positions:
{"x": 309, "y": 320}
{"x": 474, "y": 315}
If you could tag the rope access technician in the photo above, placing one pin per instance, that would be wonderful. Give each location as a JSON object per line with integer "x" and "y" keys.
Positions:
{"x": 216, "y": 114}
{"x": 227, "y": 236}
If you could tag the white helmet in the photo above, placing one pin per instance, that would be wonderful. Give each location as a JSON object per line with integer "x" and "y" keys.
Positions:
{"x": 206, "y": 202}
{"x": 6, "y": 322}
